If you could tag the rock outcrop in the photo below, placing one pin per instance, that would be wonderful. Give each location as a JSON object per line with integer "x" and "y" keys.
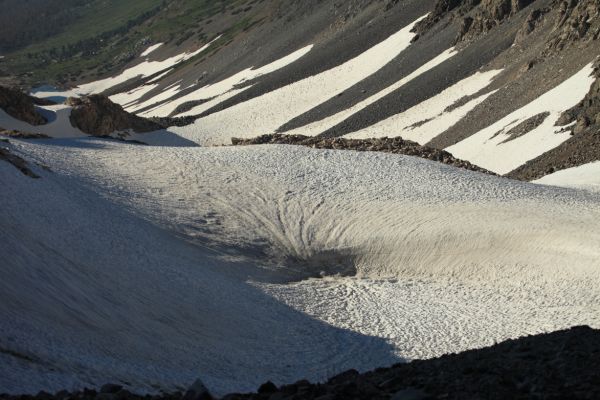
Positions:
{"x": 488, "y": 15}
{"x": 586, "y": 114}
{"x": 395, "y": 145}
{"x": 578, "y": 21}
{"x": 97, "y": 115}
{"x": 20, "y": 106}
{"x": 18, "y": 162}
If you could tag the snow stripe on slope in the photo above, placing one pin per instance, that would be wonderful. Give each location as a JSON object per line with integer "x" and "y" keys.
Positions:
{"x": 222, "y": 87}
{"x": 490, "y": 147}
{"x": 315, "y": 128}
{"x": 144, "y": 69}
{"x": 428, "y": 119}
{"x": 268, "y": 112}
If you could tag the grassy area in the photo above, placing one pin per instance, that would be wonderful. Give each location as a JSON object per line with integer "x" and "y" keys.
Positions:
{"x": 109, "y": 33}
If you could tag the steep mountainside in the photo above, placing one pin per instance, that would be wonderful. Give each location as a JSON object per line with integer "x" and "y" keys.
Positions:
{"x": 492, "y": 81}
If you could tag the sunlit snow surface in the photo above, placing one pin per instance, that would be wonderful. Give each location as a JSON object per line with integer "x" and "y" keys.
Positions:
{"x": 585, "y": 177}
{"x": 159, "y": 265}
{"x": 493, "y": 149}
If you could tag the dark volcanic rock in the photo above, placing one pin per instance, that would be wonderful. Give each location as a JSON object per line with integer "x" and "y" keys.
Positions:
{"x": 443, "y": 9}
{"x": 197, "y": 392}
{"x": 488, "y": 15}
{"x": 110, "y": 388}
{"x": 97, "y": 115}
{"x": 395, "y": 145}
{"x": 586, "y": 114}
{"x": 526, "y": 126}
{"x": 20, "y": 106}
{"x": 579, "y": 20}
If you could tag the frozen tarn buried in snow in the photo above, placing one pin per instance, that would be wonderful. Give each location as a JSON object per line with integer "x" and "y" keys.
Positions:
{"x": 315, "y": 128}
{"x": 495, "y": 149}
{"x": 430, "y": 118}
{"x": 268, "y": 112}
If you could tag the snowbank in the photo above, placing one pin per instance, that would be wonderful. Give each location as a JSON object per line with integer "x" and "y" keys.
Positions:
{"x": 496, "y": 150}
{"x": 58, "y": 126}
{"x": 585, "y": 176}
{"x": 223, "y": 87}
{"x": 142, "y": 70}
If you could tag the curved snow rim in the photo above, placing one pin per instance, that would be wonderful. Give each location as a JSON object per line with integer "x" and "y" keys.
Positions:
{"x": 378, "y": 215}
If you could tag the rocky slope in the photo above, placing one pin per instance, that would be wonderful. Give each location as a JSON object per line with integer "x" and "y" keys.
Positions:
{"x": 21, "y": 106}
{"x": 386, "y": 145}
{"x": 559, "y": 365}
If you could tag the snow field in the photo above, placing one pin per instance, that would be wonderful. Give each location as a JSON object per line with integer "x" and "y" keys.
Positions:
{"x": 208, "y": 247}
{"x": 222, "y": 88}
{"x": 143, "y": 69}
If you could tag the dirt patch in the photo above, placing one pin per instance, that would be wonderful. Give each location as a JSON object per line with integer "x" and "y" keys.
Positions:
{"x": 526, "y": 126}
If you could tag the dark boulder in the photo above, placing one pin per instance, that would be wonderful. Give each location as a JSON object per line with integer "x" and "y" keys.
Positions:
{"x": 97, "y": 115}
{"x": 20, "y": 106}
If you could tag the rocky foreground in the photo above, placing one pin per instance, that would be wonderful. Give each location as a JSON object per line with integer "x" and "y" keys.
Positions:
{"x": 395, "y": 145}
{"x": 559, "y": 365}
